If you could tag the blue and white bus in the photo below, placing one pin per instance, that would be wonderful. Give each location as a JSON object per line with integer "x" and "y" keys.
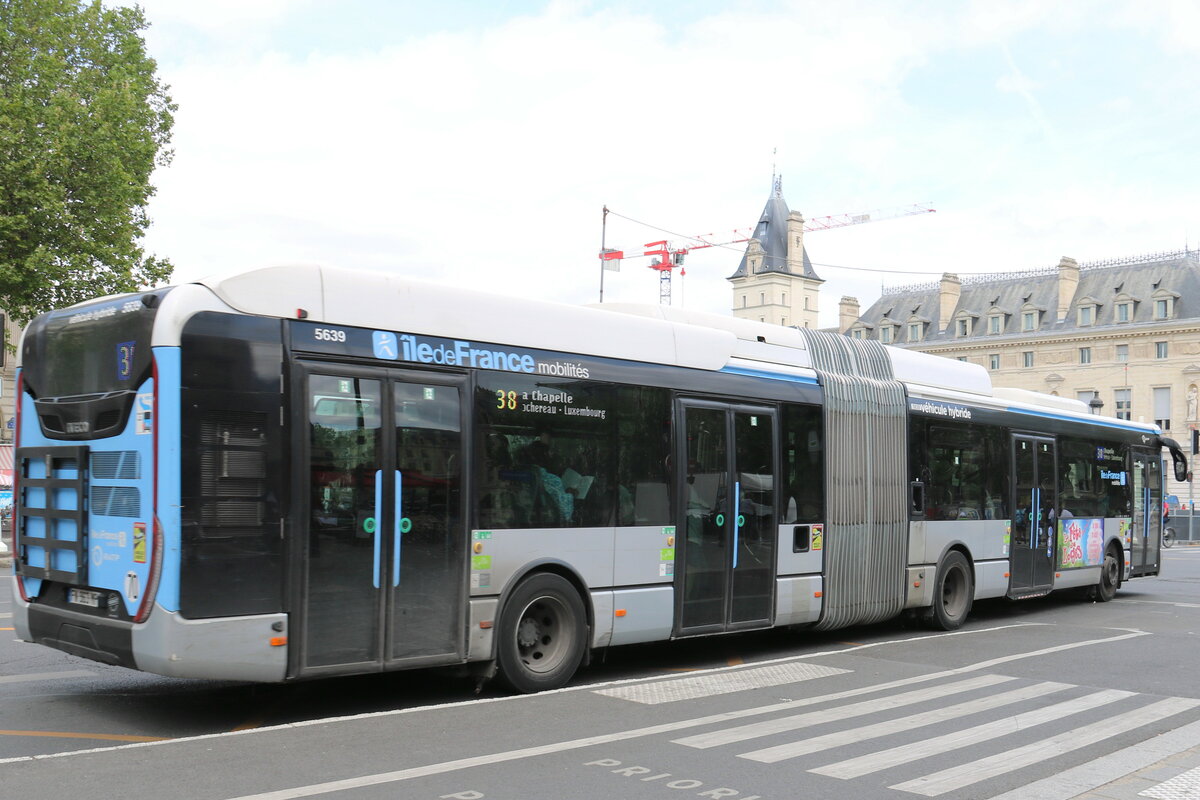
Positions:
{"x": 297, "y": 471}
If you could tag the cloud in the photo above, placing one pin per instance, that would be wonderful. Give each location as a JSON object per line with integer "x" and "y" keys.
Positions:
{"x": 483, "y": 152}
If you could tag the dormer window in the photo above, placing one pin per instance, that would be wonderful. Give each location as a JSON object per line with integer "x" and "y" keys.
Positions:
{"x": 1029, "y": 320}
{"x": 1164, "y": 303}
{"x": 885, "y": 334}
{"x": 964, "y": 324}
{"x": 1125, "y": 306}
{"x": 914, "y": 331}
{"x": 1087, "y": 312}
{"x": 994, "y": 324}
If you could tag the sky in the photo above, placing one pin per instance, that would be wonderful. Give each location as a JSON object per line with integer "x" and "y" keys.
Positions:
{"x": 477, "y": 143}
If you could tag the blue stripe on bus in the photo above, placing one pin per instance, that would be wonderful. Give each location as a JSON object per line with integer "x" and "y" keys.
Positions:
{"x": 1107, "y": 422}
{"x": 169, "y": 483}
{"x": 775, "y": 376}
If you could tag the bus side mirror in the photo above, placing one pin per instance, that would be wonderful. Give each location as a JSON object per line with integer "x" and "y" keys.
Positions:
{"x": 1178, "y": 460}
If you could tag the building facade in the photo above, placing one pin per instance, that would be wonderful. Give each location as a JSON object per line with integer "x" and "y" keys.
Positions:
{"x": 775, "y": 281}
{"x": 1121, "y": 335}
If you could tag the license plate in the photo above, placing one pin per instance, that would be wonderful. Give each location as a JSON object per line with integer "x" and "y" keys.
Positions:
{"x": 83, "y": 597}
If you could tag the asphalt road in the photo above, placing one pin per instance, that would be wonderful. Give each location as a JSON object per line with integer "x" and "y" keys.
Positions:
{"x": 1048, "y": 698}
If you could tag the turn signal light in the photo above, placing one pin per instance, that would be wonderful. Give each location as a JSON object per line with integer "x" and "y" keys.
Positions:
{"x": 278, "y": 641}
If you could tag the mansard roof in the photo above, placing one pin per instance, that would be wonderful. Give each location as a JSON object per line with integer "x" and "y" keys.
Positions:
{"x": 771, "y": 233}
{"x": 1102, "y": 284}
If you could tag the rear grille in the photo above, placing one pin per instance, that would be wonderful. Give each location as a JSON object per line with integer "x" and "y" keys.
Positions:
{"x": 122, "y": 465}
{"x": 116, "y": 501}
{"x": 233, "y": 473}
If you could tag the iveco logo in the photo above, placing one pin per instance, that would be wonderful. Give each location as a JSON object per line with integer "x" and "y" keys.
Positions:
{"x": 1145, "y": 439}
{"x": 78, "y": 427}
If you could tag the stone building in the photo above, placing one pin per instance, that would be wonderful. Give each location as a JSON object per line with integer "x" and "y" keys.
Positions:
{"x": 1122, "y": 335}
{"x": 775, "y": 281}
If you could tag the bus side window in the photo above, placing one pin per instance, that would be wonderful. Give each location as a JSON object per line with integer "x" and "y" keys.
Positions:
{"x": 803, "y": 497}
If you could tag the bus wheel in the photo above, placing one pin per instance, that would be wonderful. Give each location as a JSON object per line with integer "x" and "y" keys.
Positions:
{"x": 543, "y": 634}
{"x": 953, "y": 593}
{"x": 1110, "y": 579}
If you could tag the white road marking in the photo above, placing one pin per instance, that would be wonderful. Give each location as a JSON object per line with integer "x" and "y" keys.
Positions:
{"x": 1164, "y": 603}
{"x": 915, "y": 751}
{"x": 967, "y": 774}
{"x": 46, "y": 676}
{"x": 796, "y": 722}
{"x": 1109, "y": 767}
{"x": 674, "y": 690}
{"x": 576, "y": 744}
{"x": 6, "y": 615}
{"x": 557, "y": 747}
{"x": 770, "y": 755}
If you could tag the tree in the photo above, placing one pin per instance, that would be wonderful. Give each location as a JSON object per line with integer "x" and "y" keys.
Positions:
{"x": 83, "y": 122}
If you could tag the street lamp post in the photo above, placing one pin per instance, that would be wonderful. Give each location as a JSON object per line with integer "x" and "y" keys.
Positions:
{"x": 1095, "y": 404}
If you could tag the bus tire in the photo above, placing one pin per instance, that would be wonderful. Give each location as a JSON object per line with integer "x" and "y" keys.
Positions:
{"x": 1110, "y": 578}
{"x": 953, "y": 593}
{"x": 543, "y": 634}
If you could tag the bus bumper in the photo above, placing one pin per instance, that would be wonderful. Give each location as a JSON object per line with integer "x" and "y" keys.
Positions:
{"x": 227, "y": 648}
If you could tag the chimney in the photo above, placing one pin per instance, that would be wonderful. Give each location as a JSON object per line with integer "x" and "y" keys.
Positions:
{"x": 795, "y": 243}
{"x": 848, "y": 313}
{"x": 1068, "y": 282}
{"x": 949, "y": 290}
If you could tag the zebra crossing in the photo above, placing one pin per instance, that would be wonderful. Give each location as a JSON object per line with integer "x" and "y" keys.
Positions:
{"x": 997, "y": 725}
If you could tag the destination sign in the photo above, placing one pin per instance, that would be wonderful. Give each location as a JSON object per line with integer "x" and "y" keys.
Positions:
{"x": 415, "y": 349}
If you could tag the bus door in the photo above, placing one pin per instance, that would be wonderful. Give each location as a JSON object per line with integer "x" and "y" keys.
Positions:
{"x": 1146, "y": 535}
{"x": 383, "y": 548}
{"x": 727, "y": 510}
{"x": 1035, "y": 498}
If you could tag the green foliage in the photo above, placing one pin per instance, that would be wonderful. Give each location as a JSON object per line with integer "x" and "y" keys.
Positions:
{"x": 83, "y": 122}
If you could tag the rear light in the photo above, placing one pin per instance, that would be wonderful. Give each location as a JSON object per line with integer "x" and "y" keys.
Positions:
{"x": 156, "y": 537}
{"x": 155, "y": 571}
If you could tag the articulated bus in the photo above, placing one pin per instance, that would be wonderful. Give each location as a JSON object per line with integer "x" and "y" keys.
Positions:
{"x": 298, "y": 471}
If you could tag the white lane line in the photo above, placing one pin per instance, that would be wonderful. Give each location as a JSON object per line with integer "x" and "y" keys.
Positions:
{"x": 915, "y": 751}
{"x": 6, "y": 615}
{"x": 674, "y": 690}
{"x": 966, "y": 774}
{"x": 796, "y": 722}
{"x": 46, "y": 676}
{"x": 771, "y": 755}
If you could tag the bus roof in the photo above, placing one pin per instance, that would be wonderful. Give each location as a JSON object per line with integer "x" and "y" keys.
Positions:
{"x": 646, "y": 333}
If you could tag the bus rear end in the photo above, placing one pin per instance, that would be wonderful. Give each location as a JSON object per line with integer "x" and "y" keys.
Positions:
{"x": 88, "y": 549}
{"x": 125, "y": 552}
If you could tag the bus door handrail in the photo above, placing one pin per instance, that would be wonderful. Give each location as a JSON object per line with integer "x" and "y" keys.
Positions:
{"x": 375, "y": 527}
{"x": 397, "y": 529}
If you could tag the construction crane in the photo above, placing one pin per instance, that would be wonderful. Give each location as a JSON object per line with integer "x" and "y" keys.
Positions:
{"x": 668, "y": 257}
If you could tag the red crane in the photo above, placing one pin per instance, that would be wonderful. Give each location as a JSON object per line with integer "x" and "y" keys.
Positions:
{"x": 668, "y": 257}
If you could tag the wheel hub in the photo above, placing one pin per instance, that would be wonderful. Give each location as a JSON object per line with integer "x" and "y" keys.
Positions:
{"x": 528, "y": 633}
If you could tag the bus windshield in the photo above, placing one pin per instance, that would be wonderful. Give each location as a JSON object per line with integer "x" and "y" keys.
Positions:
{"x": 87, "y": 350}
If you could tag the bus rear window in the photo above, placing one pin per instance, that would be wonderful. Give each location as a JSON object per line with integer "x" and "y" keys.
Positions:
{"x": 93, "y": 349}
